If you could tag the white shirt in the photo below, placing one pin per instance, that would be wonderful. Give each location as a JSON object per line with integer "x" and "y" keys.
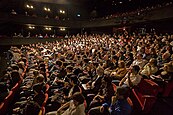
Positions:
{"x": 72, "y": 110}
{"x": 135, "y": 79}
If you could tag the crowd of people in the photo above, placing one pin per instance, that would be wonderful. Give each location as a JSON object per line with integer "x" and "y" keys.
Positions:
{"x": 89, "y": 74}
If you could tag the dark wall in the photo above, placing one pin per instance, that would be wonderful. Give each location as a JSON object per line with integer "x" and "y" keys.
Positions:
{"x": 25, "y": 41}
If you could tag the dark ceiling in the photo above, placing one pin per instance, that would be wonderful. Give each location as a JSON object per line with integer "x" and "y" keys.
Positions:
{"x": 87, "y": 7}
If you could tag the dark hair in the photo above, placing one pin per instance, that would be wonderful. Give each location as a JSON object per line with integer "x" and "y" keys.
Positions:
{"x": 40, "y": 78}
{"x": 78, "y": 97}
{"x": 77, "y": 71}
{"x": 42, "y": 64}
{"x": 114, "y": 57}
{"x": 36, "y": 72}
{"x": 24, "y": 59}
{"x": 74, "y": 79}
{"x": 32, "y": 108}
{"x": 69, "y": 68}
{"x": 15, "y": 76}
{"x": 123, "y": 91}
{"x": 136, "y": 68}
{"x": 108, "y": 79}
{"x": 15, "y": 67}
{"x": 59, "y": 62}
{"x": 38, "y": 88}
{"x": 43, "y": 69}
{"x": 3, "y": 87}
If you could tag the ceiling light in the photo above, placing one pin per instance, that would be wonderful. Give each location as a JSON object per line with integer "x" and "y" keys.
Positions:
{"x": 48, "y": 28}
{"x": 78, "y": 15}
{"x": 62, "y": 29}
{"x": 62, "y": 11}
{"x": 31, "y": 27}
{"x": 120, "y": 2}
{"x": 27, "y": 6}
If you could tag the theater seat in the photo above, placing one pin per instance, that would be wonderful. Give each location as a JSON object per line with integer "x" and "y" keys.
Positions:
{"x": 5, "y": 104}
{"x": 9, "y": 97}
{"x": 42, "y": 111}
{"x": 15, "y": 88}
{"x": 130, "y": 102}
{"x": 47, "y": 88}
{"x": 168, "y": 89}
{"x": 144, "y": 95}
{"x": 2, "y": 109}
{"x": 45, "y": 100}
{"x": 114, "y": 86}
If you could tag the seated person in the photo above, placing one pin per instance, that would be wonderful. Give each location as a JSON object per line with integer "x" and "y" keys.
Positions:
{"x": 105, "y": 94}
{"x": 28, "y": 85}
{"x": 132, "y": 78}
{"x": 100, "y": 110}
{"x": 7, "y": 79}
{"x": 139, "y": 61}
{"x": 38, "y": 93}
{"x": 120, "y": 105}
{"x": 75, "y": 106}
{"x": 69, "y": 73}
{"x": 94, "y": 84}
{"x": 165, "y": 76}
{"x": 38, "y": 98}
{"x": 150, "y": 68}
{"x": 15, "y": 77}
{"x": 167, "y": 73}
{"x": 31, "y": 108}
{"x": 3, "y": 91}
{"x": 119, "y": 72}
{"x": 67, "y": 92}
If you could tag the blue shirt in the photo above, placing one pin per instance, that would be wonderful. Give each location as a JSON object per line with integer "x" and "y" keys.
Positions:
{"x": 121, "y": 107}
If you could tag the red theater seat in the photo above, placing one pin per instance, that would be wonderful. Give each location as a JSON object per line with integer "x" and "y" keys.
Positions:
{"x": 4, "y": 105}
{"x": 42, "y": 111}
{"x": 168, "y": 89}
{"x": 144, "y": 95}
{"x": 15, "y": 88}
{"x": 2, "y": 109}
{"x": 45, "y": 100}
{"x": 47, "y": 88}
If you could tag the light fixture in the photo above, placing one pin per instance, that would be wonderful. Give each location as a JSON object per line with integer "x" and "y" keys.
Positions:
{"x": 47, "y": 9}
{"x": 48, "y": 28}
{"x": 62, "y": 11}
{"x": 31, "y": 27}
{"x": 78, "y": 15}
{"x": 62, "y": 29}
{"x": 120, "y": 2}
{"x": 29, "y": 6}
